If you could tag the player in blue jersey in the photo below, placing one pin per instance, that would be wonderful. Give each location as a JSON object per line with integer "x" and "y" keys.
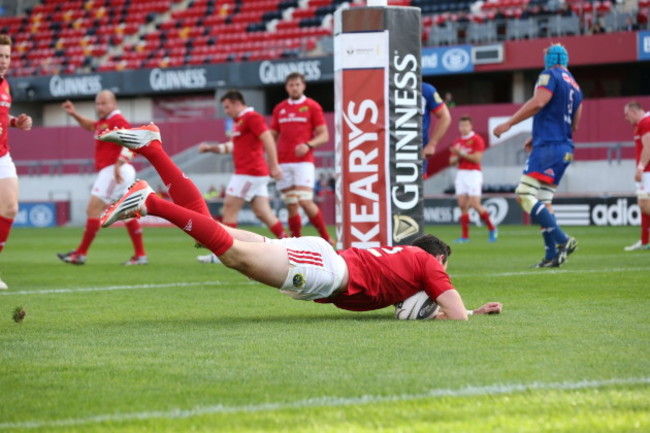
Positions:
{"x": 556, "y": 109}
{"x": 432, "y": 103}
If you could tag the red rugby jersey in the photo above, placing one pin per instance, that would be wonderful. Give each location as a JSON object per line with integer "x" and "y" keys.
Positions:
{"x": 642, "y": 128}
{"x": 248, "y": 149}
{"x": 5, "y": 105}
{"x": 471, "y": 144}
{"x": 107, "y": 153}
{"x": 381, "y": 277}
{"x": 295, "y": 121}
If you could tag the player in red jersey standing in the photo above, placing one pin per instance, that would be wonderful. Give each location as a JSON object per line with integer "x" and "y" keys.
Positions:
{"x": 8, "y": 174}
{"x": 115, "y": 175}
{"x": 250, "y": 139}
{"x": 305, "y": 268}
{"x": 299, "y": 126}
{"x": 467, "y": 152}
{"x": 640, "y": 119}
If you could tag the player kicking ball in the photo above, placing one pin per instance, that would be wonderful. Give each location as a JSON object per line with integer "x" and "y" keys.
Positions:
{"x": 305, "y": 268}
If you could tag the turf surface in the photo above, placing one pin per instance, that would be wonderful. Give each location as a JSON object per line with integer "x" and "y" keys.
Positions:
{"x": 181, "y": 346}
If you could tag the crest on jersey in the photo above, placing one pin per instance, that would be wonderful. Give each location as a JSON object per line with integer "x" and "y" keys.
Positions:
{"x": 437, "y": 98}
{"x": 298, "y": 281}
{"x": 549, "y": 171}
{"x": 303, "y": 109}
{"x": 568, "y": 157}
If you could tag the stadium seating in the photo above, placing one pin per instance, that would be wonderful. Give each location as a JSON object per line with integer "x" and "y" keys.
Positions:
{"x": 101, "y": 35}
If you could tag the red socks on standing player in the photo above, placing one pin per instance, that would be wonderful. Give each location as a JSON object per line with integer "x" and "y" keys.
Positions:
{"x": 319, "y": 223}
{"x": 5, "y": 228}
{"x": 645, "y": 229}
{"x": 135, "y": 232}
{"x": 464, "y": 226}
{"x": 485, "y": 216}
{"x": 92, "y": 227}
{"x": 295, "y": 225}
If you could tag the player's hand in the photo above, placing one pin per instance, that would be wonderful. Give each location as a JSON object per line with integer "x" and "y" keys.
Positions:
{"x": 429, "y": 150}
{"x": 276, "y": 172}
{"x": 24, "y": 122}
{"x": 453, "y": 160}
{"x": 638, "y": 175}
{"x": 528, "y": 144}
{"x": 204, "y": 147}
{"x": 489, "y": 308}
{"x": 500, "y": 129}
{"x": 68, "y": 106}
{"x": 302, "y": 149}
{"x": 455, "y": 149}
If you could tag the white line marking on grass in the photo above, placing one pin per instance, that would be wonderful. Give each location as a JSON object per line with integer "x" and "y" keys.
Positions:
{"x": 327, "y": 402}
{"x": 552, "y": 271}
{"x": 126, "y": 287}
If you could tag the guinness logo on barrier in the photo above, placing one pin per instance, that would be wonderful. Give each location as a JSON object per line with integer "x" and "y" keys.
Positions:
{"x": 403, "y": 227}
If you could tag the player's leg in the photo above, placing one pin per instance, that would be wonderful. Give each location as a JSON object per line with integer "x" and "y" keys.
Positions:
{"x": 290, "y": 199}
{"x": 463, "y": 204}
{"x": 265, "y": 262}
{"x": 133, "y": 227}
{"x": 462, "y": 188}
{"x": 643, "y": 200}
{"x": 230, "y": 211}
{"x": 305, "y": 177}
{"x": 475, "y": 203}
{"x": 262, "y": 209}
{"x": 146, "y": 141}
{"x": 8, "y": 209}
{"x": 94, "y": 209}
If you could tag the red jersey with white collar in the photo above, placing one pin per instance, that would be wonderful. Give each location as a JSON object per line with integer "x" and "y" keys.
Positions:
{"x": 5, "y": 105}
{"x": 381, "y": 277}
{"x": 472, "y": 143}
{"x": 642, "y": 128}
{"x": 107, "y": 153}
{"x": 248, "y": 149}
{"x": 295, "y": 121}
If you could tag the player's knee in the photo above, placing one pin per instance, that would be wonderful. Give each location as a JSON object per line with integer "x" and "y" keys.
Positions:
{"x": 289, "y": 197}
{"x": 9, "y": 210}
{"x": 527, "y": 192}
{"x": 546, "y": 194}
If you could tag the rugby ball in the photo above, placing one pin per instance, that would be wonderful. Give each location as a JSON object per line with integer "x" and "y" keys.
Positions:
{"x": 417, "y": 307}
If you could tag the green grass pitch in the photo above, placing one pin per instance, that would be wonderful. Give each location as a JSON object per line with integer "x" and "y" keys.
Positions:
{"x": 181, "y": 346}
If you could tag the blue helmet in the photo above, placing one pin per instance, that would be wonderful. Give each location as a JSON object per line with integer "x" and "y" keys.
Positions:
{"x": 556, "y": 55}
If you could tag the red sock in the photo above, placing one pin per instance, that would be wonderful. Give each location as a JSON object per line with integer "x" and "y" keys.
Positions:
{"x": 485, "y": 216}
{"x": 135, "y": 232}
{"x": 5, "y": 228}
{"x": 202, "y": 228}
{"x": 319, "y": 223}
{"x": 92, "y": 227}
{"x": 278, "y": 230}
{"x": 464, "y": 225}
{"x": 295, "y": 225}
{"x": 181, "y": 189}
{"x": 645, "y": 229}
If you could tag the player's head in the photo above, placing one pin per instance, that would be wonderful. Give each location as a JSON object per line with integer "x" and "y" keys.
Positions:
{"x": 233, "y": 103}
{"x": 295, "y": 85}
{"x": 465, "y": 125}
{"x": 5, "y": 54}
{"x": 633, "y": 112}
{"x": 556, "y": 55}
{"x": 105, "y": 103}
{"x": 433, "y": 246}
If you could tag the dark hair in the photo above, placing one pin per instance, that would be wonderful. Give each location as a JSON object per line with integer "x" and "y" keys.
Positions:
{"x": 233, "y": 95}
{"x": 295, "y": 76}
{"x": 433, "y": 246}
{"x": 5, "y": 40}
{"x": 465, "y": 118}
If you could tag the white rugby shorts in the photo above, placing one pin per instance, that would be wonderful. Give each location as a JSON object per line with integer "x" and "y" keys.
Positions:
{"x": 315, "y": 269}
{"x": 296, "y": 174}
{"x": 643, "y": 187}
{"x": 248, "y": 187}
{"x": 469, "y": 182}
{"x": 7, "y": 167}
{"x": 106, "y": 189}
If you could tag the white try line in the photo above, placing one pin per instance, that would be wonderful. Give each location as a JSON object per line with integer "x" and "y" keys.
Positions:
{"x": 125, "y": 287}
{"x": 537, "y": 272}
{"x": 469, "y": 391}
